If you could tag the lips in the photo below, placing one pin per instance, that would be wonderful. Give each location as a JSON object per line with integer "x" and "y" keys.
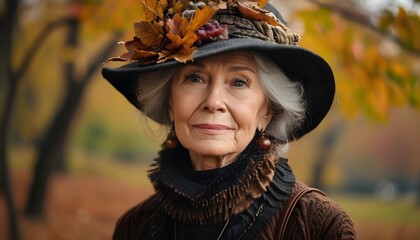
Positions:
{"x": 212, "y": 129}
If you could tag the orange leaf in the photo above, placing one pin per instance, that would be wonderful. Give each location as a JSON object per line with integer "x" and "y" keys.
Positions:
{"x": 181, "y": 56}
{"x": 201, "y": 17}
{"x": 141, "y": 55}
{"x": 149, "y": 9}
{"x": 151, "y": 34}
{"x": 144, "y": 55}
{"x": 180, "y": 6}
{"x": 190, "y": 39}
{"x": 251, "y": 10}
{"x": 262, "y": 3}
{"x": 185, "y": 42}
{"x": 153, "y": 8}
{"x": 185, "y": 55}
{"x": 134, "y": 44}
{"x": 177, "y": 25}
{"x": 180, "y": 49}
{"x": 176, "y": 41}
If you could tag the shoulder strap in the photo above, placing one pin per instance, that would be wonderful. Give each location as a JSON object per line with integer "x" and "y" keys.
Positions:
{"x": 290, "y": 205}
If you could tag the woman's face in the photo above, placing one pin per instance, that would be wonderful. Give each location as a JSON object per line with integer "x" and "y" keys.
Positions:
{"x": 217, "y": 104}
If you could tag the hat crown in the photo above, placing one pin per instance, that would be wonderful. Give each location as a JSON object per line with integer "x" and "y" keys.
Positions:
{"x": 174, "y": 30}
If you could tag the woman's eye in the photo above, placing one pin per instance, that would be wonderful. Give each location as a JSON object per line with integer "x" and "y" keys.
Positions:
{"x": 194, "y": 78}
{"x": 239, "y": 82}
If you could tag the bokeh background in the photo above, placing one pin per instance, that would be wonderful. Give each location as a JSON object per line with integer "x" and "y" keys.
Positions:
{"x": 74, "y": 154}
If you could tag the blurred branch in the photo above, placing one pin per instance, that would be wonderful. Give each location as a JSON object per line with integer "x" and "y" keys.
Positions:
{"x": 363, "y": 19}
{"x": 36, "y": 45}
{"x": 99, "y": 59}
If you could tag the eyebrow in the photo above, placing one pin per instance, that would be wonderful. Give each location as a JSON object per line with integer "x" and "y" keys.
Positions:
{"x": 241, "y": 68}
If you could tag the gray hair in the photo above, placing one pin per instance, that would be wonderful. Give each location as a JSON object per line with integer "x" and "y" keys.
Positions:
{"x": 286, "y": 97}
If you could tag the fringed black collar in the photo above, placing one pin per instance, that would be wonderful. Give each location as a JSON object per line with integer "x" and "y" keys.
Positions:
{"x": 253, "y": 187}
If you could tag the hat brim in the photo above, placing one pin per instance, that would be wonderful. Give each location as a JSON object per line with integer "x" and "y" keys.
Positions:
{"x": 298, "y": 63}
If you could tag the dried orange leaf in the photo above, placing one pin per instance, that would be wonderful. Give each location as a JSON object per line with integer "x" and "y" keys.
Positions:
{"x": 149, "y": 9}
{"x": 134, "y": 44}
{"x": 176, "y": 41}
{"x": 123, "y": 58}
{"x": 262, "y": 3}
{"x": 190, "y": 39}
{"x": 201, "y": 17}
{"x": 140, "y": 55}
{"x": 177, "y": 25}
{"x": 180, "y": 56}
{"x": 185, "y": 56}
{"x": 154, "y": 8}
{"x": 253, "y": 11}
{"x": 180, "y": 5}
{"x": 135, "y": 55}
{"x": 179, "y": 47}
{"x": 151, "y": 34}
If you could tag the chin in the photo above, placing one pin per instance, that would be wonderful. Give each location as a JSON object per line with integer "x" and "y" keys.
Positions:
{"x": 212, "y": 149}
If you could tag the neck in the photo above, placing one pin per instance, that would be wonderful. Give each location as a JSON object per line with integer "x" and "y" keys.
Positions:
{"x": 205, "y": 162}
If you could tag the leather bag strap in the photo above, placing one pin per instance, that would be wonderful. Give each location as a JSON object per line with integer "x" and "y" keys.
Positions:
{"x": 289, "y": 206}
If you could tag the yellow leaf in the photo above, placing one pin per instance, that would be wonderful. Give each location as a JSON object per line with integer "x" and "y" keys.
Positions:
{"x": 345, "y": 95}
{"x": 398, "y": 95}
{"x": 379, "y": 99}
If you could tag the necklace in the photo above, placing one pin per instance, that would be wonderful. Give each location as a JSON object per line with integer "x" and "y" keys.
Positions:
{"x": 220, "y": 234}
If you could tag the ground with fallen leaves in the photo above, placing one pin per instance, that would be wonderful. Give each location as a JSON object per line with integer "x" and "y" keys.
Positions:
{"x": 86, "y": 206}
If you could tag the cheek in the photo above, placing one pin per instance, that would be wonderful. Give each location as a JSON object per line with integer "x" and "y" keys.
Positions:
{"x": 248, "y": 116}
{"x": 182, "y": 108}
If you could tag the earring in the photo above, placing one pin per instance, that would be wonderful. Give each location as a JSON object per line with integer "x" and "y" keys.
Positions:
{"x": 263, "y": 141}
{"x": 171, "y": 141}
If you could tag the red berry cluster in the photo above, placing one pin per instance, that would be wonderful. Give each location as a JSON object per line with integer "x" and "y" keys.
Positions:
{"x": 211, "y": 31}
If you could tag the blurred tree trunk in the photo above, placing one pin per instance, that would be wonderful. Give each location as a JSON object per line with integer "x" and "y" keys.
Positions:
{"x": 53, "y": 146}
{"x": 326, "y": 145}
{"x": 418, "y": 191}
{"x": 8, "y": 21}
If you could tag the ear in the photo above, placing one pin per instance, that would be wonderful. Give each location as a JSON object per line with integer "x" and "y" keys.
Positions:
{"x": 266, "y": 118}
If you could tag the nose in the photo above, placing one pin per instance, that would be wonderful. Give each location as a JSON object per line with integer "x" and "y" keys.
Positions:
{"x": 215, "y": 99}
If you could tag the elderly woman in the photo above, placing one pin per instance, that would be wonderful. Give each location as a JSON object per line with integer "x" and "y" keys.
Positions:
{"x": 233, "y": 87}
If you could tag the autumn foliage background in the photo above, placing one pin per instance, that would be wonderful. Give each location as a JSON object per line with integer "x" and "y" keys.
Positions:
{"x": 365, "y": 154}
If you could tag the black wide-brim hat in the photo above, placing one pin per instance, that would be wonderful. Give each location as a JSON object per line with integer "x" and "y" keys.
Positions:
{"x": 299, "y": 64}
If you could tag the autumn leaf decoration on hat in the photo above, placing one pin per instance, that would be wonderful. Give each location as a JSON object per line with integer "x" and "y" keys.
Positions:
{"x": 172, "y": 29}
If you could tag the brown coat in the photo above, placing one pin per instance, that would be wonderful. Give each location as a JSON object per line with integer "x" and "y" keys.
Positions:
{"x": 314, "y": 217}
